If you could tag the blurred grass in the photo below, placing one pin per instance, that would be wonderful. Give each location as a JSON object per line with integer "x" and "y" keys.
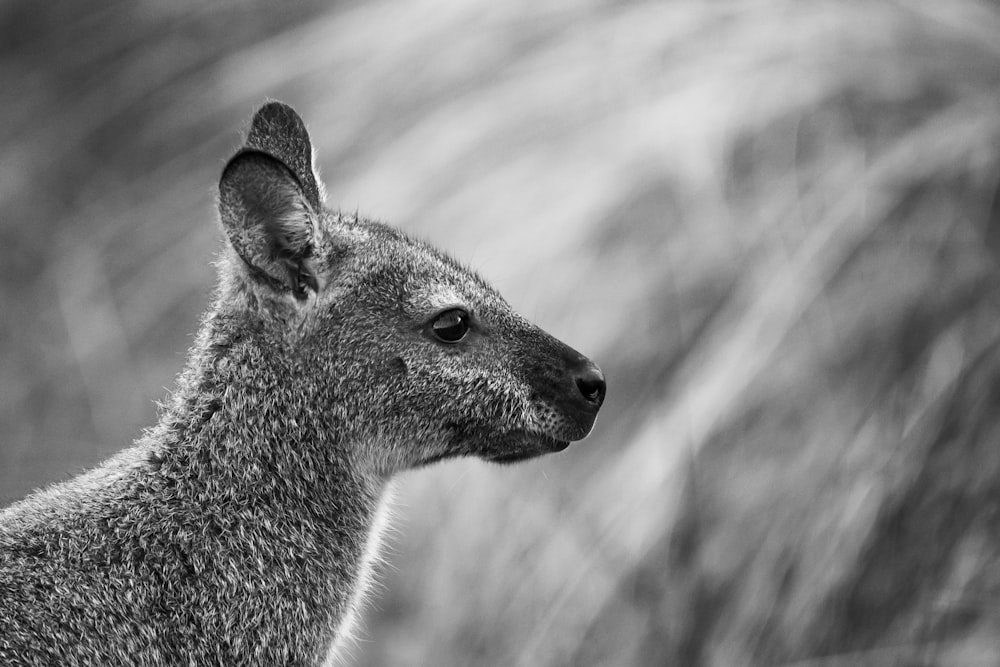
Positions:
{"x": 771, "y": 223}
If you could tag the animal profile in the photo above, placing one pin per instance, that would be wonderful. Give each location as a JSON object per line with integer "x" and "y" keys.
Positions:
{"x": 240, "y": 529}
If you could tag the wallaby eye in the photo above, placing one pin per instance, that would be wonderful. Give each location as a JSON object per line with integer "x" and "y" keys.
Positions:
{"x": 451, "y": 325}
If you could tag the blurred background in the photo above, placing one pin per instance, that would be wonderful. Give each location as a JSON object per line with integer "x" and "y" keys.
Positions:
{"x": 773, "y": 223}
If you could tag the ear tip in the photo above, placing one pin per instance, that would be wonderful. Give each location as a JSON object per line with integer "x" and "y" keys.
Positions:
{"x": 275, "y": 109}
{"x": 275, "y": 116}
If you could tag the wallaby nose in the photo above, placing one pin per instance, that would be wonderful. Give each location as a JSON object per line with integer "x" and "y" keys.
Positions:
{"x": 590, "y": 382}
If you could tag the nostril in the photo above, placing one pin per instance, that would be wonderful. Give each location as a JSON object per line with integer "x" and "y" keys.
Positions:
{"x": 591, "y": 384}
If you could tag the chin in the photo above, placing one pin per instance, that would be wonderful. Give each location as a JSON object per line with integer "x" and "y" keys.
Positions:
{"x": 524, "y": 446}
{"x": 508, "y": 448}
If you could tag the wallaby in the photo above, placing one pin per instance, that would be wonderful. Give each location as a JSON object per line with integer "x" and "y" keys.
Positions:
{"x": 240, "y": 529}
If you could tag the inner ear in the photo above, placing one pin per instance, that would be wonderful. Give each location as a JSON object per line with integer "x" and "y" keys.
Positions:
{"x": 269, "y": 221}
{"x": 298, "y": 271}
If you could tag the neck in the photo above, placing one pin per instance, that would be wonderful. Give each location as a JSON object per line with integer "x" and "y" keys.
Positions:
{"x": 274, "y": 512}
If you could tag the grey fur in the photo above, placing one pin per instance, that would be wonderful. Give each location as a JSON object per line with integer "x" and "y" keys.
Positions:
{"x": 238, "y": 529}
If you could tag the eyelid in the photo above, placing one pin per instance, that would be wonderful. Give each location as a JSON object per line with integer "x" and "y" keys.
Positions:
{"x": 441, "y": 311}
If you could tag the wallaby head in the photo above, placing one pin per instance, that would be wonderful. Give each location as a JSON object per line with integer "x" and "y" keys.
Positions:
{"x": 383, "y": 326}
{"x": 240, "y": 529}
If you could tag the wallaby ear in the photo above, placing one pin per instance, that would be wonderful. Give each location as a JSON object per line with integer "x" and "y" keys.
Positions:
{"x": 269, "y": 220}
{"x": 278, "y": 131}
